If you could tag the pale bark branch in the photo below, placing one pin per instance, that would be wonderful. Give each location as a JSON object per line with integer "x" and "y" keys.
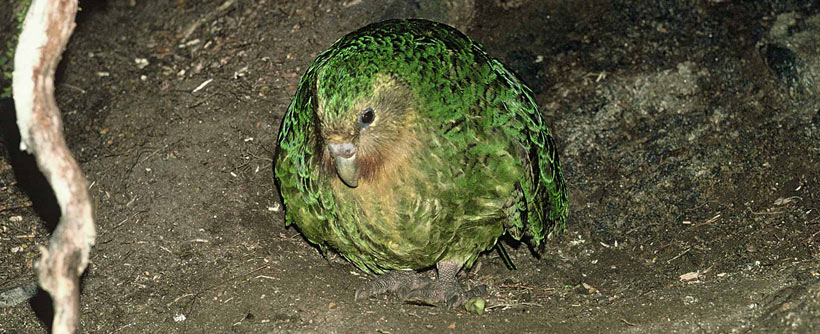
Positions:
{"x": 46, "y": 30}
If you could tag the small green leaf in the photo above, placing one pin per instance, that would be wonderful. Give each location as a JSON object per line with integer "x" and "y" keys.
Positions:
{"x": 475, "y": 305}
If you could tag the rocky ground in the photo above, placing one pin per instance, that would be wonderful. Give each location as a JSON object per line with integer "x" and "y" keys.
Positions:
{"x": 689, "y": 134}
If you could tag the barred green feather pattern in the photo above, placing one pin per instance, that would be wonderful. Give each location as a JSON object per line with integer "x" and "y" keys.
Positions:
{"x": 472, "y": 160}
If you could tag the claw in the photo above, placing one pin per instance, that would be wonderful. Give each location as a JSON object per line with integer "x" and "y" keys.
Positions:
{"x": 395, "y": 281}
{"x": 418, "y": 289}
{"x": 447, "y": 293}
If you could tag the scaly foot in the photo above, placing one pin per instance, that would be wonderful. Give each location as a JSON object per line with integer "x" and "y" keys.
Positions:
{"x": 444, "y": 292}
{"x": 419, "y": 289}
{"x": 399, "y": 282}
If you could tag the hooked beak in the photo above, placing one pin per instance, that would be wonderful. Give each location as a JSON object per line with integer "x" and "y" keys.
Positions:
{"x": 347, "y": 167}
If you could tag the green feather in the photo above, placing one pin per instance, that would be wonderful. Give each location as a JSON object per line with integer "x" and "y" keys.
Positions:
{"x": 461, "y": 155}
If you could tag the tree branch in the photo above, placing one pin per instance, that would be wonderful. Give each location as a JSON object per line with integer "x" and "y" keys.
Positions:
{"x": 45, "y": 33}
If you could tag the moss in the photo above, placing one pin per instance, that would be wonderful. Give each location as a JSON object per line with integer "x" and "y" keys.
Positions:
{"x": 7, "y": 59}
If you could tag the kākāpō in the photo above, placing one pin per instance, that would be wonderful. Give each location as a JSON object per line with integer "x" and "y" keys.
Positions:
{"x": 407, "y": 147}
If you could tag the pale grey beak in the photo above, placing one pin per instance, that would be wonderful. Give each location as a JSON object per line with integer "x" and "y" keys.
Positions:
{"x": 347, "y": 167}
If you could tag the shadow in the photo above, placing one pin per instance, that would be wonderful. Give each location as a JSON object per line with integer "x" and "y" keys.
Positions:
{"x": 88, "y": 8}
{"x": 28, "y": 175}
{"x": 34, "y": 184}
{"x": 41, "y": 304}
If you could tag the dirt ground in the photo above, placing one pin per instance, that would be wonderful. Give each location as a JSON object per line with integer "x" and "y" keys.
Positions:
{"x": 689, "y": 133}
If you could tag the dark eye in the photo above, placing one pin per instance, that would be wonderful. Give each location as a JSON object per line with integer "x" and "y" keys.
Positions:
{"x": 367, "y": 117}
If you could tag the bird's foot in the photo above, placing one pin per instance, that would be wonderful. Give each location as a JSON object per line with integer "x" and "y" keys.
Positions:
{"x": 419, "y": 289}
{"x": 444, "y": 292}
{"x": 399, "y": 282}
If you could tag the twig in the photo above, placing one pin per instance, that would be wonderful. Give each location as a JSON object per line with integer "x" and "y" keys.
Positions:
{"x": 46, "y": 30}
{"x": 767, "y": 213}
{"x": 178, "y": 298}
{"x": 627, "y": 322}
{"x": 155, "y": 152}
{"x": 679, "y": 255}
{"x": 82, "y": 91}
{"x": 202, "y": 85}
{"x": 124, "y": 220}
{"x": 219, "y": 11}
{"x": 12, "y": 206}
{"x": 811, "y": 238}
{"x": 515, "y": 286}
{"x": 711, "y": 220}
{"x": 510, "y": 305}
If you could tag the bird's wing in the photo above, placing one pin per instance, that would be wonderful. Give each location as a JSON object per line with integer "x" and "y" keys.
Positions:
{"x": 544, "y": 191}
{"x": 297, "y": 167}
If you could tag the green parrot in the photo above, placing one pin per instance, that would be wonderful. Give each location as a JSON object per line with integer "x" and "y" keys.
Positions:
{"x": 407, "y": 147}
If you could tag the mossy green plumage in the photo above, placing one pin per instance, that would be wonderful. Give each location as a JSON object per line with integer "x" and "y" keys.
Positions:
{"x": 457, "y": 154}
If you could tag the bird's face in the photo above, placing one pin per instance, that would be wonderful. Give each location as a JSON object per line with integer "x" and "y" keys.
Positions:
{"x": 371, "y": 135}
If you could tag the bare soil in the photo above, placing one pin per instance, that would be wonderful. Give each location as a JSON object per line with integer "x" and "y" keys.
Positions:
{"x": 689, "y": 133}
